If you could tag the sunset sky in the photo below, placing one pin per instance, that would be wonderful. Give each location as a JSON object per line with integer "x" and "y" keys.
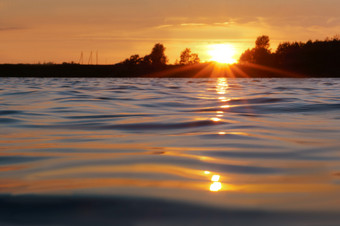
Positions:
{"x": 35, "y": 31}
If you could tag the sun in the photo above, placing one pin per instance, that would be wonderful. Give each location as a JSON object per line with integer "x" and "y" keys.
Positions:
{"x": 222, "y": 53}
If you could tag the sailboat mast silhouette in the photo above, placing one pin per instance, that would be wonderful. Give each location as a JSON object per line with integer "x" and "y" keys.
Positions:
{"x": 90, "y": 60}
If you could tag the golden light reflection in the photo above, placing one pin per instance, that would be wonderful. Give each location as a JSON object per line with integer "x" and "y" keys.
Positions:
{"x": 221, "y": 89}
{"x": 223, "y": 99}
{"x": 222, "y": 133}
{"x": 225, "y": 106}
{"x": 222, "y": 86}
{"x": 240, "y": 133}
{"x": 215, "y": 178}
{"x": 215, "y": 119}
{"x": 203, "y": 158}
{"x": 216, "y": 185}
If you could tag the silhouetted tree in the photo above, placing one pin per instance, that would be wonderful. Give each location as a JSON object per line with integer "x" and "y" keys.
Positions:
{"x": 195, "y": 59}
{"x": 260, "y": 54}
{"x": 146, "y": 60}
{"x": 262, "y": 42}
{"x": 185, "y": 56}
{"x": 247, "y": 56}
{"x": 189, "y": 58}
{"x": 133, "y": 60}
{"x": 157, "y": 55}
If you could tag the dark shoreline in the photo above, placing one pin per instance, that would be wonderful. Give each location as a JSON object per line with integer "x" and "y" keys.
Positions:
{"x": 203, "y": 70}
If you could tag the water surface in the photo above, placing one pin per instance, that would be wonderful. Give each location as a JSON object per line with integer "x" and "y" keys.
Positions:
{"x": 261, "y": 144}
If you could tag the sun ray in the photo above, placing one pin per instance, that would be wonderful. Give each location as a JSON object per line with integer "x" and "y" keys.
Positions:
{"x": 272, "y": 70}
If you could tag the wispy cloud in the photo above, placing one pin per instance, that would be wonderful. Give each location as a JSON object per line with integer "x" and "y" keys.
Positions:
{"x": 164, "y": 26}
{"x": 223, "y": 24}
{"x": 192, "y": 24}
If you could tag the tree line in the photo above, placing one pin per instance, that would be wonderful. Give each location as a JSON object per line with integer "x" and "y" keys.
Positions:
{"x": 158, "y": 59}
{"x": 313, "y": 57}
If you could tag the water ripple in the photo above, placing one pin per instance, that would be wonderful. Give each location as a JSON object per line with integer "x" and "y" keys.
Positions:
{"x": 247, "y": 143}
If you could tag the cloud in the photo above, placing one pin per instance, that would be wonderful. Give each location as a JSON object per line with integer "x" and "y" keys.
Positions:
{"x": 163, "y": 26}
{"x": 227, "y": 23}
{"x": 196, "y": 23}
{"x": 192, "y": 24}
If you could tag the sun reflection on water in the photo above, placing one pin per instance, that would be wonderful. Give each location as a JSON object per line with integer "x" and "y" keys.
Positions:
{"x": 222, "y": 86}
{"x": 221, "y": 89}
{"x": 215, "y": 119}
{"x": 216, "y": 184}
{"x": 215, "y": 178}
{"x": 223, "y": 99}
{"x": 225, "y": 106}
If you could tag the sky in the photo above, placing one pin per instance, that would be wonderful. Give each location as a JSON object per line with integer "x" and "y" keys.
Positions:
{"x": 33, "y": 31}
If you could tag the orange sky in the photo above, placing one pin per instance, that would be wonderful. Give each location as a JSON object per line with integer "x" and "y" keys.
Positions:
{"x": 34, "y": 31}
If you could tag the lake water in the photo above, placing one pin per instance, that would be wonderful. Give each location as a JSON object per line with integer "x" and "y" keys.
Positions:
{"x": 217, "y": 144}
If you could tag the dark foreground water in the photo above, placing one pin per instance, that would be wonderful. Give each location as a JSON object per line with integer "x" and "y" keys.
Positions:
{"x": 169, "y": 151}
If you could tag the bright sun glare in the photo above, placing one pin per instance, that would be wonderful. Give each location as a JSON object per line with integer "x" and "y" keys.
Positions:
{"x": 222, "y": 53}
